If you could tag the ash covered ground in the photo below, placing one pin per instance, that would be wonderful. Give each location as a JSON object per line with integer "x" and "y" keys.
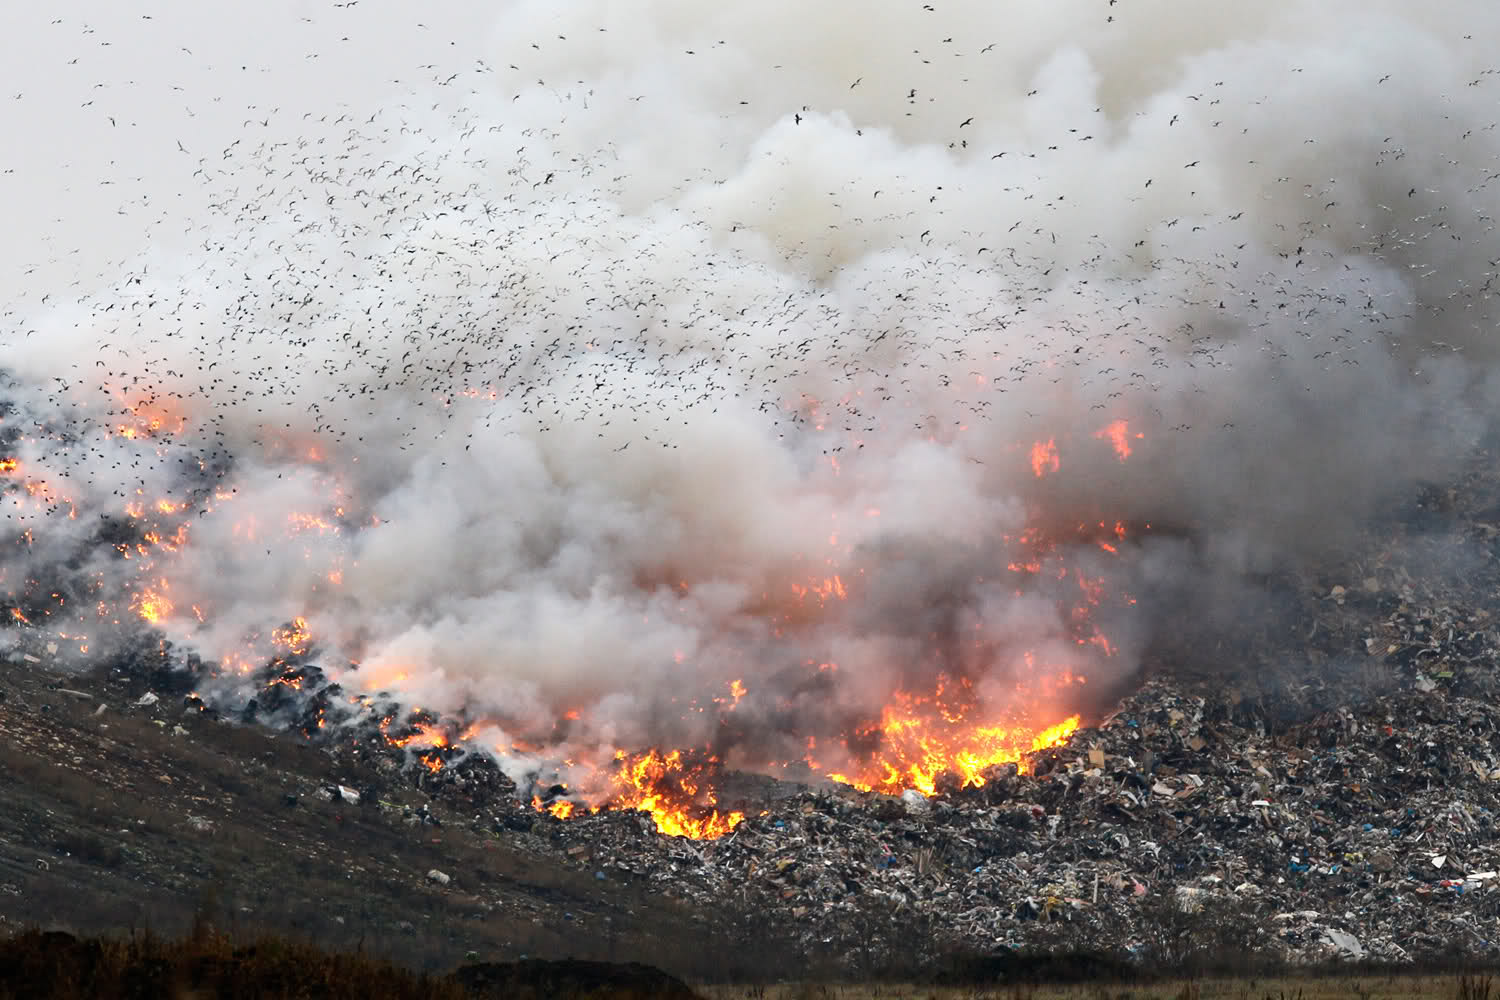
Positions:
{"x": 674, "y": 422}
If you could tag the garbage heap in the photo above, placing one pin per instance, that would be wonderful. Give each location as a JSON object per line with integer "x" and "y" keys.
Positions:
{"x": 1173, "y": 825}
{"x": 1325, "y": 790}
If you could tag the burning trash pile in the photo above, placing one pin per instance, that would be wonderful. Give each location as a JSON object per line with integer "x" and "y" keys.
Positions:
{"x": 778, "y": 502}
{"x": 970, "y": 695}
{"x": 1344, "y": 810}
{"x": 1359, "y": 832}
{"x": 1323, "y": 812}
{"x": 1364, "y": 829}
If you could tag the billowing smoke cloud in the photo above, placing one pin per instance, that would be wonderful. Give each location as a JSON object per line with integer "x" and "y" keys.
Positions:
{"x": 678, "y": 345}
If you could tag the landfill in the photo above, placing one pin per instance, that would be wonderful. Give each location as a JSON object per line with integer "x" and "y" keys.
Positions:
{"x": 1353, "y": 835}
{"x": 1337, "y": 802}
{"x": 1328, "y": 793}
{"x": 1180, "y": 820}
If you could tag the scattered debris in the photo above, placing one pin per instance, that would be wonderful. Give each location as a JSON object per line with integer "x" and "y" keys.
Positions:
{"x": 1358, "y": 833}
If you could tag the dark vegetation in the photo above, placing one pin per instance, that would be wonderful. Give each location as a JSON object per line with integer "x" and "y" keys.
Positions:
{"x": 37, "y": 965}
{"x": 205, "y": 963}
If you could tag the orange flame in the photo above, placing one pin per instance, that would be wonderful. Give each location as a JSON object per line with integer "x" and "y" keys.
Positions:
{"x": 924, "y": 737}
{"x": 677, "y": 795}
{"x": 295, "y": 638}
{"x": 1044, "y": 457}
{"x": 1119, "y": 437}
{"x": 151, "y": 603}
{"x": 151, "y": 417}
{"x": 822, "y": 589}
{"x": 421, "y": 736}
{"x": 561, "y": 808}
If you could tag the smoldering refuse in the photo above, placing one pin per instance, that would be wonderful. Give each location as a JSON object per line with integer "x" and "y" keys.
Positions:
{"x": 698, "y": 351}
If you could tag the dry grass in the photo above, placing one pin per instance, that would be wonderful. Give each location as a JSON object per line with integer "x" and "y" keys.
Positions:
{"x": 36, "y": 965}
{"x": 52, "y": 966}
{"x": 1353, "y": 987}
{"x": 208, "y": 965}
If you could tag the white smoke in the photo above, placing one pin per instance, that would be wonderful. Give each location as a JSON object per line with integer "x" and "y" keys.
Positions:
{"x": 667, "y": 308}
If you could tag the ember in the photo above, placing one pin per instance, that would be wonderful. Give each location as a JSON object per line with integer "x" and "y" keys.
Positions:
{"x": 294, "y": 638}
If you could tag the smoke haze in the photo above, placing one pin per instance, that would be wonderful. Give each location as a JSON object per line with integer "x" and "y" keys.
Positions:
{"x": 649, "y": 346}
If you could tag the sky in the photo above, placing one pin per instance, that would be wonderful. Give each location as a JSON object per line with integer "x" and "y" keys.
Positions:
{"x": 98, "y": 95}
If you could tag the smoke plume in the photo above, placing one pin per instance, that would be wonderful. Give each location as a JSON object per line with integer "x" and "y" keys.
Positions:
{"x": 677, "y": 346}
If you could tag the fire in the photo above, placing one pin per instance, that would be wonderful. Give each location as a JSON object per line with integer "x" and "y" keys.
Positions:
{"x": 922, "y": 738}
{"x": 300, "y": 522}
{"x": 1119, "y": 436}
{"x": 151, "y": 603}
{"x": 420, "y": 736}
{"x": 1044, "y": 458}
{"x": 561, "y": 808}
{"x": 294, "y": 638}
{"x": 150, "y": 418}
{"x": 677, "y": 795}
{"x": 822, "y": 589}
